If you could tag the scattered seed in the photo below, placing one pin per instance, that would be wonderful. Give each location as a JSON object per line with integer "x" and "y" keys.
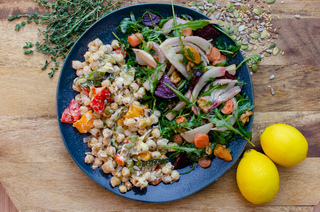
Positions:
{"x": 193, "y": 3}
{"x": 231, "y": 9}
{"x": 237, "y": 4}
{"x": 211, "y": 10}
{"x": 257, "y": 11}
{"x": 255, "y": 35}
{"x": 269, "y": 51}
{"x": 271, "y": 1}
{"x": 266, "y": 54}
{"x": 272, "y": 45}
{"x": 228, "y": 5}
{"x": 254, "y": 68}
{"x": 244, "y": 47}
{"x": 252, "y": 42}
{"x": 272, "y": 91}
{"x": 241, "y": 28}
{"x": 235, "y": 13}
{"x": 264, "y": 34}
{"x": 238, "y": 20}
{"x": 244, "y": 8}
{"x": 275, "y": 50}
{"x": 297, "y": 16}
{"x": 272, "y": 77}
{"x": 220, "y": 23}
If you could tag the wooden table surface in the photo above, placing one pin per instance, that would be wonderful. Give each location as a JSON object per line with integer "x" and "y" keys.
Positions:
{"x": 39, "y": 175}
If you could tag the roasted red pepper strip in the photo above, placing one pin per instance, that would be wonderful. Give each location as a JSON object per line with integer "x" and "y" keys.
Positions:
{"x": 72, "y": 113}
{"x": 121, "y": 50}
{"x": 85, "y": 90}
{"x": 98, "y": 102}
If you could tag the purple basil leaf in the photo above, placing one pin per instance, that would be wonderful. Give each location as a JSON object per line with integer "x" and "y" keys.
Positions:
{"x": 150, "y": 19}
{"x": 164, "y": 91}
{"x": 207, "y": 32}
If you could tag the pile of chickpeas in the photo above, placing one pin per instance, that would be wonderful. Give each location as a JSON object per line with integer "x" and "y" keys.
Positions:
{"x": 132, "y": 141}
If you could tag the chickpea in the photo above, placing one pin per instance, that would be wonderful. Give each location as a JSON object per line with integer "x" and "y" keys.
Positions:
{"x": 107, "y": 167}
{"x": 115, "y": 181}
{"x": 89, "y": 159}
{"x": 123, "y": 189}
{"x": 128, "y": 185}
{"x": 125, "y": 172}
{"x": 155, "y": 133}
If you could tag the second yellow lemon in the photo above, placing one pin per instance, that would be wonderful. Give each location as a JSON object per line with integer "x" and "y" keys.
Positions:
{"x": 257, "y": 177}
{"x": 284, "y": 144}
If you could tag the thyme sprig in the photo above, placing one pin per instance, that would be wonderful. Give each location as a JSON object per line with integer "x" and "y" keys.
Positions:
{"x": 65, "y": 23}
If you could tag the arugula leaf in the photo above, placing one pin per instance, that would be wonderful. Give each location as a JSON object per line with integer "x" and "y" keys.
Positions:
{"x": 219, "y": 121}
{"x": 185, "y": 149}
{"x": 180, "y": 95}
{"x": 194, "y": 25}
{"x": 256, "y": 59}
{"x": 130, "y": 25}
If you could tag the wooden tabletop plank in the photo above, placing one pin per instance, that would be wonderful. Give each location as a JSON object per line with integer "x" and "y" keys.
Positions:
{"x": 34, "y": 161}
{"x": 56, "y": 186}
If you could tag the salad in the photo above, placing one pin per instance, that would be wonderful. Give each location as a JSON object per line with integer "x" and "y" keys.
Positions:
{"x": 160, "y": 98}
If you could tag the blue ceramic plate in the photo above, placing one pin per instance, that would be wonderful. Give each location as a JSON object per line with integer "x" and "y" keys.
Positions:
{"x": 189, "y": 183}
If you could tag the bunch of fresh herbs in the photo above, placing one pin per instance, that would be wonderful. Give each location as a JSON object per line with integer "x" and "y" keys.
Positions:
{"x": 65, "y": 23}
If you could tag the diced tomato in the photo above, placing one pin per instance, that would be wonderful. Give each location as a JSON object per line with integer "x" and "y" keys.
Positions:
{"x": 85, "y": 90}
{"x": 72, "y": 113}
{"x": 121, "y": 50}
{"x": 98, "y": 102}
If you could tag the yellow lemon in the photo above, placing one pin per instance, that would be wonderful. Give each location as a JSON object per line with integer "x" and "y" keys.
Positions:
{"x": 257, "y": 177}
{"x": 284, "y": 144}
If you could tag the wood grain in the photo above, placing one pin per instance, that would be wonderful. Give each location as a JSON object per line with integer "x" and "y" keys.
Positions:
{"x": 39, "y": 175}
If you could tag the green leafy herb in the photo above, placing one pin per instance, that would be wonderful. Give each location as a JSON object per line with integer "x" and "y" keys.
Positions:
{"x": 180, "y": 95}
{"x": 256, "y": 59}
{"x": 65, "y": 23}
{"x": 184, "y": 149}
{"x": 221, "y": 121}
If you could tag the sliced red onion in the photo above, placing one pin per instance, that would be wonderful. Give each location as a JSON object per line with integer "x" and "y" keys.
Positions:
{"x": 170, "y": 116}
{"x": 170, "y": 49}
{"x": 171, "y": 70}
{"x": 211, "y": 73}
{"x": 189, "y": 135}
{"x": 162, "y": 58}
{"x": 205, "y": 45}
{"x": 157, "y": 49}
{"x": 225, "y": 96}
{"x": 169, "y": 24}
{"x": 232, "y": 120}
{"x": 145, "y": 56}
{"x": 216, "y": 93}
